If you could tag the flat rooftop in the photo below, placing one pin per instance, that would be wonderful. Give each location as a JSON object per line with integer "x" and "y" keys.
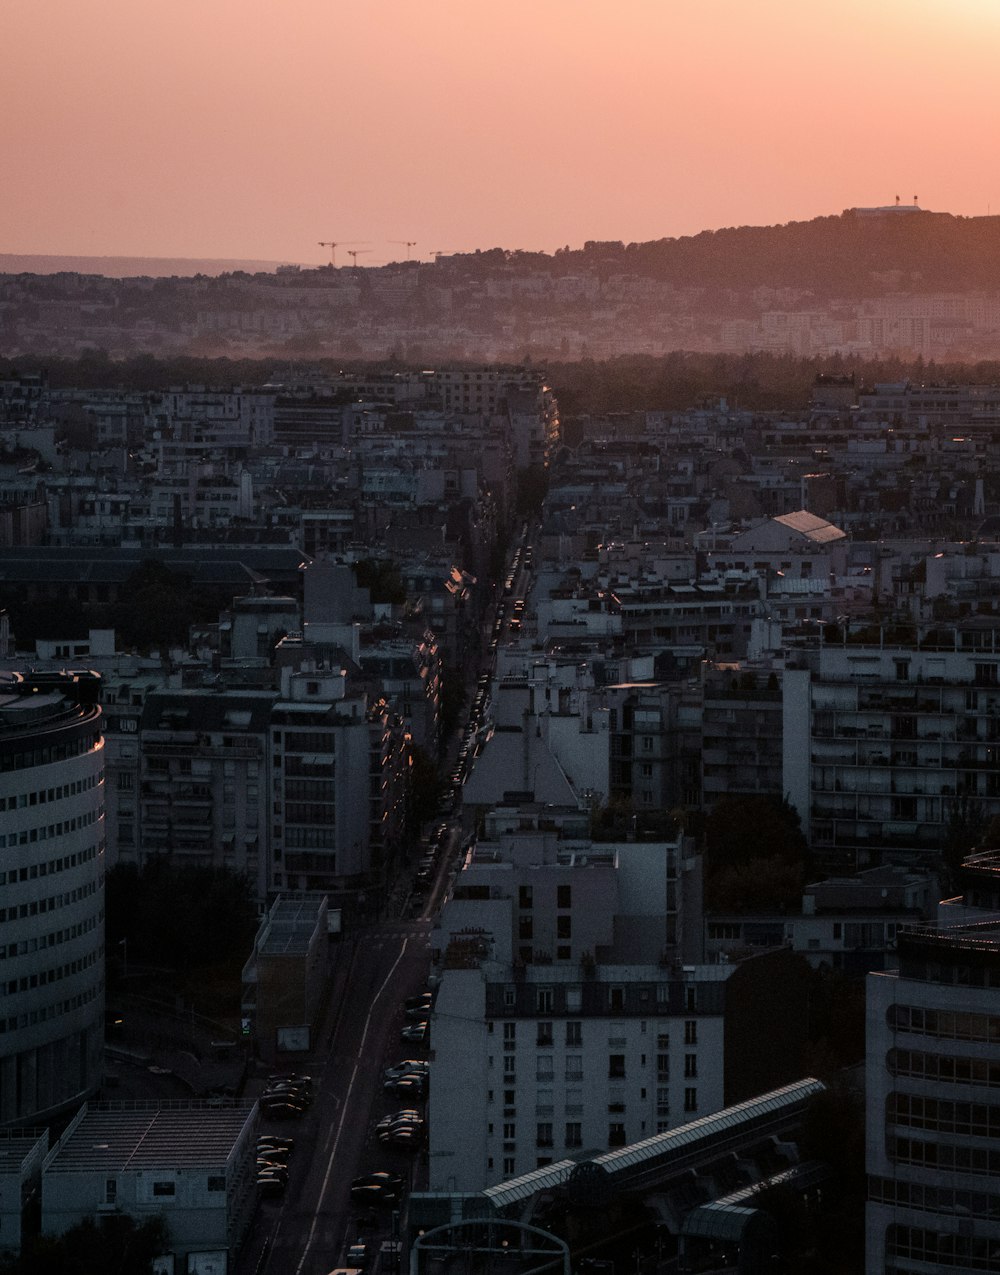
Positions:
{"x": 116, "y": 1139}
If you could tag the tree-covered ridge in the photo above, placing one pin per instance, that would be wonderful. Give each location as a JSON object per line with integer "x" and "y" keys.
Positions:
{"x": 837, "y": 256}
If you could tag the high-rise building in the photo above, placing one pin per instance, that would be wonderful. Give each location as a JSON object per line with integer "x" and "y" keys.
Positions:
{"x": 933, "y": 1062}
{"x": 51, "y": 894}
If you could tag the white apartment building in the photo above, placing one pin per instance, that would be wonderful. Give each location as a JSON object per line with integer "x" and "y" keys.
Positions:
{"x": 549, "y": 1063}
{"x": 51, "y": 894}
{"x": 568, "y": 1017}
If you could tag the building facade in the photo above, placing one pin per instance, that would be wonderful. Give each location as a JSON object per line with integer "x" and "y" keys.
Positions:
{"x": 52, "y": 849}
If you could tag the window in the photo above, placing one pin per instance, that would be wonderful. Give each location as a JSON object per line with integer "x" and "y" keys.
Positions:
{"x": 544, "y": 1068}
{"x": 663, "y": 1066}
{"x": 164, "y": 1188}
{"x": 509, "y": 1035}
{"x": 690, "y": 1099}
{"x": 574, "y": 1066}
{"x": 663, "y": 1101}
{"x": 691, "y": 1032}
{"x": 544, "y": 1036}
{"x": 543, "y": 1137}
{"x": 217, "y": 1183}
{"x": 574, "y": 1033}
{"x": 564, "y": 896}
{"x": 509, "y": 1065}
{"x": 690, "y": 1065}
{"x": 510, "y": 1131}
{"x": 690, "y": 999}
{"x": 525, "y": 928}
{"x": 524, "y": 897}
{"x": 111, "y": 1191}
{"x": 564, "y": 927}
{"x": 616, "y": 997}
{"x": 574, "y": 1134}
{"x": 543, "y": 1000}
{"x": 616, "y": 1135}
{"x": 508, "y": 1166}
{"x": 616, "y": 1066}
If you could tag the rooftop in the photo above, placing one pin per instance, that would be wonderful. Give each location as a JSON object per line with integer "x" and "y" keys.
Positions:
{"x": 119, "y": 1138}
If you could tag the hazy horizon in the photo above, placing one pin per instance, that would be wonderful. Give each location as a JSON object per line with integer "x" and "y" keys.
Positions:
{"x": 211, "y": 129}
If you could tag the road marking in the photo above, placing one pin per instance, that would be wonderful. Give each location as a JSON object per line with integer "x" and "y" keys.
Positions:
{"x": 347, "y": 1102}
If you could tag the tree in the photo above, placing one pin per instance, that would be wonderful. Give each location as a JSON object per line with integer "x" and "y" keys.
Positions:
{"x": 180, "y": 917}
{"x": 745, "y": 828}
{"x": 116, "y": 1244}
{"x": 158, "y": 606}
{"x": 382, "y": 578}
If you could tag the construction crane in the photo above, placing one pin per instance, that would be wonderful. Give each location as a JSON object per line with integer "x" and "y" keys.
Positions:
{"x": 408, "y": 243}
{"x": 355, "y": 253}
{"x": 333, "y": 245}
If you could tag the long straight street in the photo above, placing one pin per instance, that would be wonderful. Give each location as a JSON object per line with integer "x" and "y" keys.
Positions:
{"x": 306, "y": 1232}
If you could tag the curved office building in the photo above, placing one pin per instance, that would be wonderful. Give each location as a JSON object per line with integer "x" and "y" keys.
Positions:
{"x": 51, "y": 893}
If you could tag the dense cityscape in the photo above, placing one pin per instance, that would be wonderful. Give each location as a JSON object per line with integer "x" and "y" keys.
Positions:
{"x": 441, "y": 828}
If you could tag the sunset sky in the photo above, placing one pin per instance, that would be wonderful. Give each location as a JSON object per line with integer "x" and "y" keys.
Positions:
{"x": 255, "y": 128}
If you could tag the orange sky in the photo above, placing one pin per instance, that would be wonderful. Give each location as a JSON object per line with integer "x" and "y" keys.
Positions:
{"x": 254, "y": 128}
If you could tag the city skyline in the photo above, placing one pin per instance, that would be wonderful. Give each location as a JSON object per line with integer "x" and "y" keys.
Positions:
{"x": 218, "y": 131}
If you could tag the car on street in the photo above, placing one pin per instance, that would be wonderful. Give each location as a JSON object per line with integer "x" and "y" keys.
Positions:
{"x": 406, "y": 1115}
{"x": 275, "y": 1140}
{"x": 377, "y": 1188}
{"x": 268, "y": 1185}
{"x": 413, "y": 1086}
{"x": 407, "y": 1067}
{"x": 415, "y": 1033}
{"x": 279, "y": 1110}
{"x": 358, "y": 1256}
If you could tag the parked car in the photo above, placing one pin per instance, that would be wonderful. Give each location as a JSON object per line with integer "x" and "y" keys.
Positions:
{"x": 274, "y": 1140}
{"x": 411, "y": 1086}
{"x": 268, "y": 1185}
{"x": 407, "y": 1066}
{"x": 278, "y": 1109}
{"x": 358, "y": 1256}
{"x": 380, "y": 1187}
{"x": 416, "y": 1033}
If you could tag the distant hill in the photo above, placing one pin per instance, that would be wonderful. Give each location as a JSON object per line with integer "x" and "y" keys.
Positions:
{"x": 128, "y": 267}
{"x": 850, "y": 255}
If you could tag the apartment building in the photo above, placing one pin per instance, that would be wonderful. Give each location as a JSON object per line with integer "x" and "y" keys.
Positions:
{"x": 883, "y": 741}
{"x": 933, "y": 1062}
{"x": 51, "y": 894}
{"x": 203, "y": 786}
{"x": 569, "y": 1017}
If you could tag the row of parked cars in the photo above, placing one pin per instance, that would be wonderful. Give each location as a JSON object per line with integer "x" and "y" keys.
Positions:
{"x": 431, "y": 847}
{"x": 273, "y": 1154}
{"x": 286, "y": 1095}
